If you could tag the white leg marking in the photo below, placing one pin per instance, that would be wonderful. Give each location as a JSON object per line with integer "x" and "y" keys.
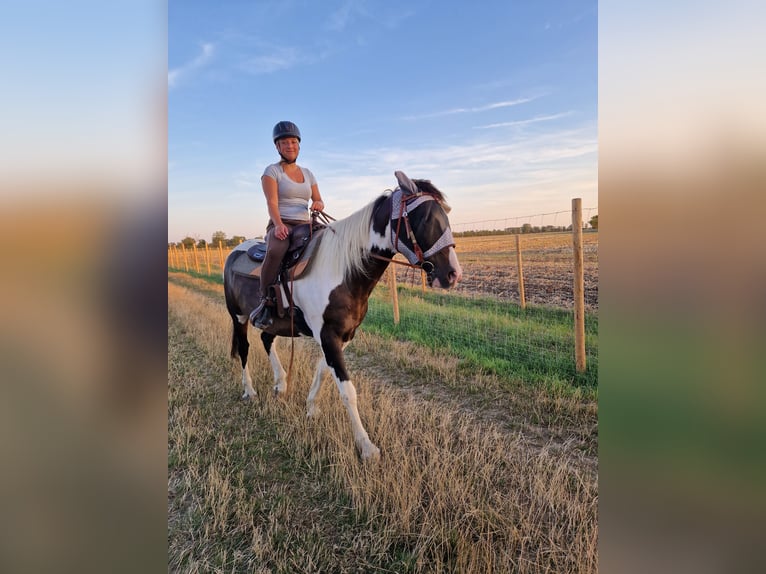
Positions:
{"x": 242, "y": 319}
{"x": 311, "y": 408}
{"x": 362, "y": 440}
{"x": 280, "y": 376}
{"x": 247, "y": 383}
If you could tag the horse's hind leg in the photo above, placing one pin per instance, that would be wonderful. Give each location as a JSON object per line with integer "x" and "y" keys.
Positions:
{"x": 280, "y": 377}
{"x": 241, "y": 347}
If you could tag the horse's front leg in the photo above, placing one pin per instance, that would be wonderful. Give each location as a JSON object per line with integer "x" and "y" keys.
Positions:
{"x": 333, "y": 353}
{"x": 311, "y": 409}
{"x": 280, "y": 376}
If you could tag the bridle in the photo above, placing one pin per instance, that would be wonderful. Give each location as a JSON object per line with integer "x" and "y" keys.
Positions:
{"x": 401, "y": 206}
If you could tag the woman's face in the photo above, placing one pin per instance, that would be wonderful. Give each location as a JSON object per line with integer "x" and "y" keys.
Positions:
{"x": 288, "y": 148}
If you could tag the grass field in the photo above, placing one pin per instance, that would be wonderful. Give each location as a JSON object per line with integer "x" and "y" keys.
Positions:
{"x": 483, "y": 469}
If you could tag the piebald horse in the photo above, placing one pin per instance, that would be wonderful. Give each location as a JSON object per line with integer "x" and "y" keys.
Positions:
{"x": 331, "y": 297}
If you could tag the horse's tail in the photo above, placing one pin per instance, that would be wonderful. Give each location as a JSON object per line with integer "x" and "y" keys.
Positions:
{"x": 230, "y": 306}
{"x": 234, "y": 343}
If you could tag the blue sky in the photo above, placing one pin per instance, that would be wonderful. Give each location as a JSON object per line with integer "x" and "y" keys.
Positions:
{"x": 82, "y": 90}
{"x": 494, "y": 101}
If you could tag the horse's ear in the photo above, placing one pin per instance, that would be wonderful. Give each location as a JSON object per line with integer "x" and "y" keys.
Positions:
{"x": 407, "y": 185}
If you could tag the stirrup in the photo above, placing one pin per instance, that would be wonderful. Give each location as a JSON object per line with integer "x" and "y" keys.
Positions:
{"x": 261, "y": 315}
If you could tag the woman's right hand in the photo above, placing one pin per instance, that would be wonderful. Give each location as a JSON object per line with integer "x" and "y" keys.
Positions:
{"x": 281, "y": 231}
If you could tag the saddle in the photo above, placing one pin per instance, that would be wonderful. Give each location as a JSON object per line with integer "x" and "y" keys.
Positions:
{"x": 299, "y": 237}
{"x": 296, "y": 263}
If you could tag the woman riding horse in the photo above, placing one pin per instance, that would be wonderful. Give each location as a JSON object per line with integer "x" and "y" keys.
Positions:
{"x": 329, "y": 300}
{"x": 288, "y": 188}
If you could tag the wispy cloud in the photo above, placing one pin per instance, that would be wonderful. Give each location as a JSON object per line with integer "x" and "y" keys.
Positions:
{"x": 477, "y": 109}
{"x": 206, "y": 53}
{"x": 524, "y": 122}
{"x": 248, "y": 179}
{"x": 483, "y": 161}
{"x": 273, "y": 59}
{"x": 338, "y": 20}
{"x": 501, "y": 177}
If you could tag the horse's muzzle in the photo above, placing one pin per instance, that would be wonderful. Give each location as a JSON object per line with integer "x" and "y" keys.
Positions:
{"x": 452, "y": 275}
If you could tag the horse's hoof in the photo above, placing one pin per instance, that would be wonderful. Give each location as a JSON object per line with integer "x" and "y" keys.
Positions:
{"x": 247, "y": 397}
{"x": 313, "y": 412}
{"x": 371, "y": 454}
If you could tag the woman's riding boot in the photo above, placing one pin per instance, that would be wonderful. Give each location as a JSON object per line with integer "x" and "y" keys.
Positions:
{"x": 261, "y": 315}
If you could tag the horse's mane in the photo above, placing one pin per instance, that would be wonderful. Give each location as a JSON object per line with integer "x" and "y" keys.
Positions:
{"x": 343, "y": 249}
{"x": 344, "y": 244}
{"x": 426, "y": 186}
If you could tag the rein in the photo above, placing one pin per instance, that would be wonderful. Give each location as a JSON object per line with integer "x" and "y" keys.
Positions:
{"x": 323, "y": 218}
{"x": 406, "y": 264}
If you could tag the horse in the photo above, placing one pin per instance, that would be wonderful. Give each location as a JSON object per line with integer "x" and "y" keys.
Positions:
{"x": 330, "y": 299}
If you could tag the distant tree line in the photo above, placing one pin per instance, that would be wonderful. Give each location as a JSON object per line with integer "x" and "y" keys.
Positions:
{"x": 524, "y": 229}
{"x": 219, "y": 238}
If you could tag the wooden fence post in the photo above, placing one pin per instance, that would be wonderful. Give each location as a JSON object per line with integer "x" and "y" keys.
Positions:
{"x": 186, "y": 260}
{"x": 196, "y": 261}
{"x": 579, "y": 286}
{"x": 207, "y": 258}
{"x": 220, "y": 253}
{"x": 394, "y": 292}
{"x": 522, "y": 298}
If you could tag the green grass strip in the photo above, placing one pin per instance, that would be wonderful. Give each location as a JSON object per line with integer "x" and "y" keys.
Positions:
{"x": 534, "y": 345}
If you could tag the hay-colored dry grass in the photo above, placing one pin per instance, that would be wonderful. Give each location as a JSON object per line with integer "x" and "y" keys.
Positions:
{"x": 464, "y": 483}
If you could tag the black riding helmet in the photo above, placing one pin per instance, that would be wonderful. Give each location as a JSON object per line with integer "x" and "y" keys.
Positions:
{"x": 286, "y": 130}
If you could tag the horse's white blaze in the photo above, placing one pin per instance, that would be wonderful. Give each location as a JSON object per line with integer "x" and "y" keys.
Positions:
{"x": 455, "y": 264}
{"x": 247, "y": 384}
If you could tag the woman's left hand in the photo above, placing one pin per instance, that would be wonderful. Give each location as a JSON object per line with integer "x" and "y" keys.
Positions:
{"x": 317, "y": 205}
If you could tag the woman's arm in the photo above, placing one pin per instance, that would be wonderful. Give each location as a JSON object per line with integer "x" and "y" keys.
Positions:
{"x": 271, "y": 191}
{"x": 316, "y": 200}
